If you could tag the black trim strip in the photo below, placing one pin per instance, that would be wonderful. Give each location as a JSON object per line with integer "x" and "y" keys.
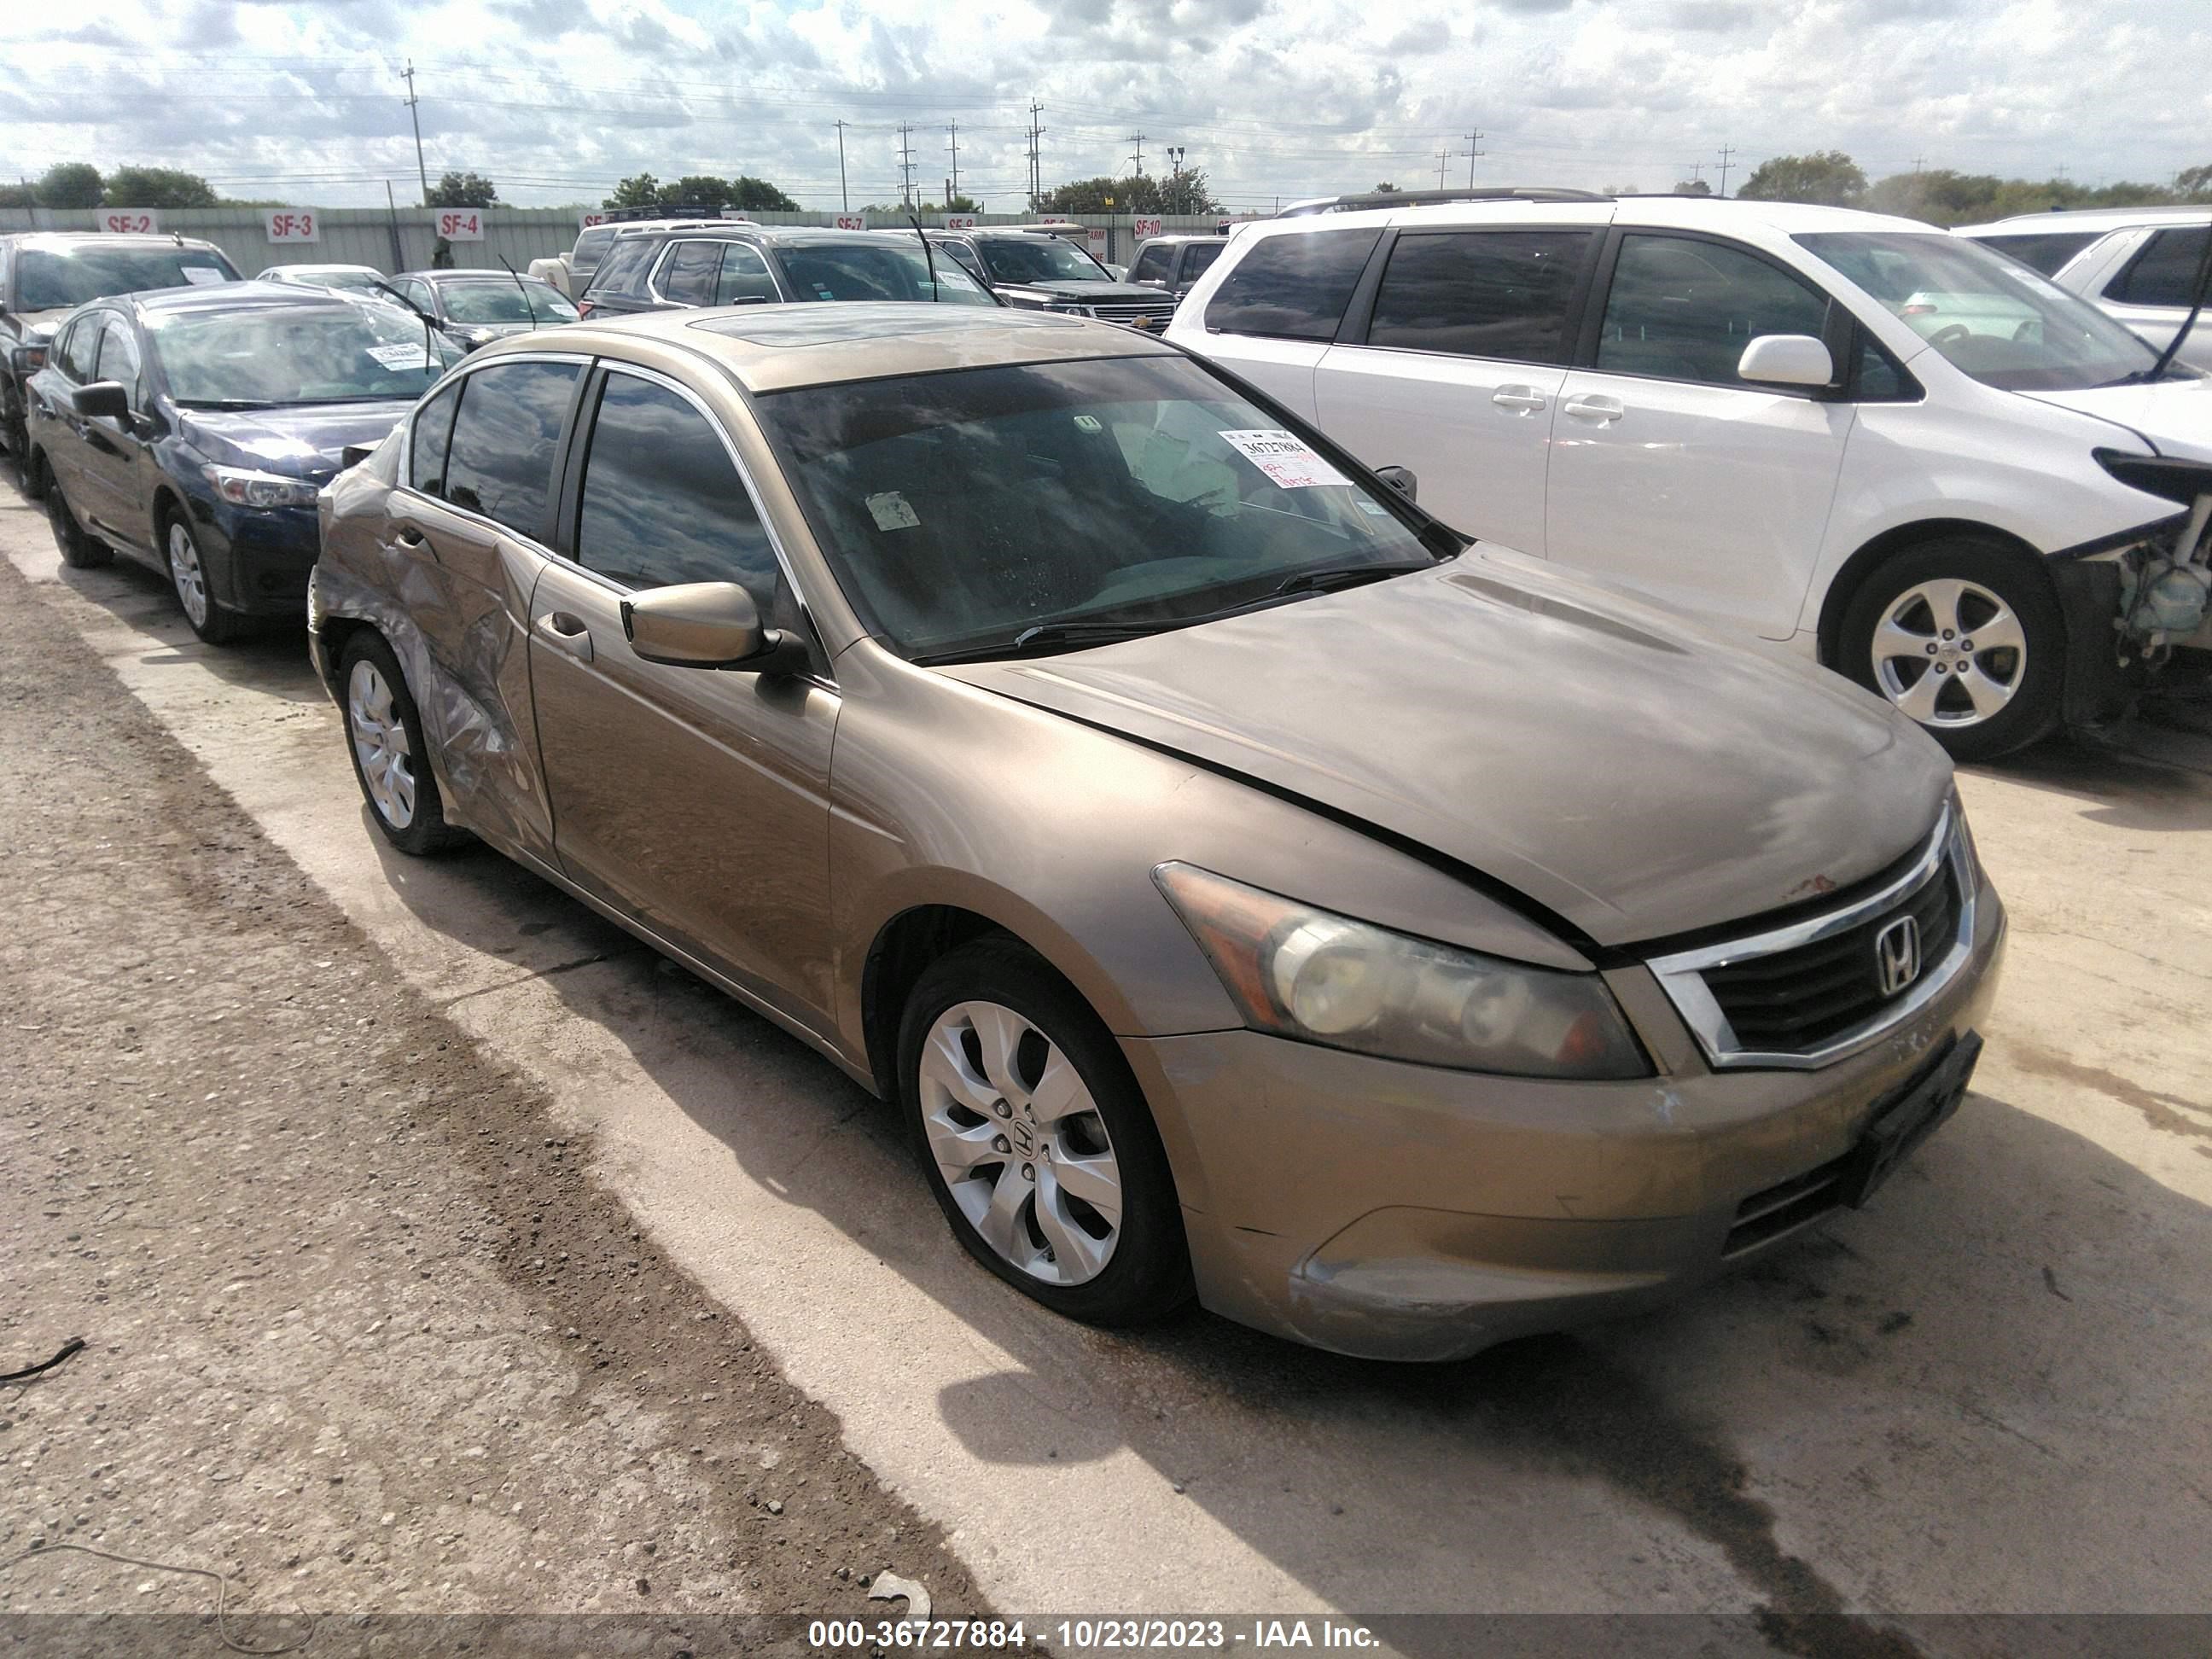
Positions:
{"x": 2122, "y": 537}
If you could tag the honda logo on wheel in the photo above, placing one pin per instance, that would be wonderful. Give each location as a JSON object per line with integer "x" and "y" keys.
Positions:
{"x": 1897, "y": 954}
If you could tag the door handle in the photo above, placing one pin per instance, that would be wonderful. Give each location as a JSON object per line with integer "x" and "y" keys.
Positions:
{"x": 409, "y": 537}
{"x": 1525, "y": 399}
{"x": 1597, "y": 409}
{"x": 566, "y": 632}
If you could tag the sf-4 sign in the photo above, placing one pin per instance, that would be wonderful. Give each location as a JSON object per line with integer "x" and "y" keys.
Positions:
{"x": 129, "y": 221}
{"x": 461, "y": 224}
{"x": 293, "y": 225}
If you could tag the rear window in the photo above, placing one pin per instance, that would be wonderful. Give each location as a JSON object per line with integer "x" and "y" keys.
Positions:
{"x": 2165, "y": 272}
{"x": 2044, "y": 250}
{"x": 590, "y": 248}
{"x": 1293, "y": 287}
{"x": 624, "y": 264}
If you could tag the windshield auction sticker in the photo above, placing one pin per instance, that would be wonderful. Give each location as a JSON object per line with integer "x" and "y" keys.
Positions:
{"x": 397, "y": 358}
{"x": 1286, "y": 461}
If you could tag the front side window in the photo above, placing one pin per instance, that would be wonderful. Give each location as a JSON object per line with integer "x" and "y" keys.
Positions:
{"x": 329, "y": 352}
{"x": 82, "y": 350}
{"x": 2165, "y": 272}
{"x": 2044, "y": 250}
{"x": 1294, "y": 286}
{"x": 1152, "y": 265}
{"x": 1990, "y": 316}
{"x": 662, "y": 501}
{"x": 119, "y": 353}
{"x": 744, "y": 279}
{"x": 1684, "y": 310}
{"x": 964, "y": 257}
{"x": 1199, "y": 258}
{"x": 888, "y": 269}
{"x": 434, "y": 429}
{"x": 687, "y": 277}
{"x": 963, "y": 510}
{"x": 1480, "y": 294}
{"x": 501, "y": 461}
{"x": 503, "y": 300}
{"x": 1040, "y": 259}
{"x": 49, "y": 281}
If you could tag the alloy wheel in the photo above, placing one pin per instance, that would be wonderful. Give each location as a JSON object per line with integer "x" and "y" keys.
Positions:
{"x": 1949, "y": 653}
{"x": 379, "y": 743}
{"x": 1019, "y": 1140}
{"x": 184, "y": 572}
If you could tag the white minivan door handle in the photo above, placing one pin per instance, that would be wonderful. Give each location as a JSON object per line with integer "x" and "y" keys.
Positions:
{"x": 1594, "y": 408}
{"x": 1525, "y": 398}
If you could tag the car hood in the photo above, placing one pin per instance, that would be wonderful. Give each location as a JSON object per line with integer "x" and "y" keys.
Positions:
{"x": 1088, "y": 293}
{"x": 303, "y": 442}
{"x": 2174, "y": 417}
{"x": 1635, "y": 779}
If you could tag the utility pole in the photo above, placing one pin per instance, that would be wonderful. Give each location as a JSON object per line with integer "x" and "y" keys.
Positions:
{"x": 1727, "y": 152}
{"x": 952, "y": 184}
{"x": 844, "y": 199}
{"x": 1443, "y": 156}
{"x": 906, "y": 165}
{"x": 424, "y": 172}
{"x": 1137, "y": 161}
{"x": 1037, "y": 157}
{"x": 1919, "y": 162}
{"x": 1474, "y": 149}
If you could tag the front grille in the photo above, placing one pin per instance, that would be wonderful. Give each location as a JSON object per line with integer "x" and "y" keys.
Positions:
{"x": 1786, "y": 1207}
{"x": 1128, "y": 311}
{"x": 1793, "y": 1001}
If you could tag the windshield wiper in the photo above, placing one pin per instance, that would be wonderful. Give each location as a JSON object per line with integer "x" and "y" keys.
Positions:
{"x": 226, "y": 403}
{"x": 1345, "y": 575}
{"x": 1052, "y": 636}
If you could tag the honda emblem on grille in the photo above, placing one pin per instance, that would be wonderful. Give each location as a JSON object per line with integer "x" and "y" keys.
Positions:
{"x": 1897, "y": 954}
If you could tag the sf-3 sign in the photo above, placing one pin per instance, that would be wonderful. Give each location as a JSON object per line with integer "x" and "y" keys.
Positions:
{"x": 293, "y": 225}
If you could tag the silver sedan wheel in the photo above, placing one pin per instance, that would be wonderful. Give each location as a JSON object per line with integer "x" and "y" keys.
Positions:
{"x": 1949, "y": 653}
{"x": 184, "y": 572}
{"x": 379, "y": 742}
{"x": 1020, "y": 1143}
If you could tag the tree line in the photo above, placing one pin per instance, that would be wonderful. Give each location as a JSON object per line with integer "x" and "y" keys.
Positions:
{"x": 1943, "y": 197}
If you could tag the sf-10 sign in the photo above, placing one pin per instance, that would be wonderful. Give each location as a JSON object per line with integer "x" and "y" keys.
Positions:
{"x": 1147, "y": 228}
{"x": 461, "y": 224}
{"x": 129, "y": 221}
{"x": 293, "y": 225}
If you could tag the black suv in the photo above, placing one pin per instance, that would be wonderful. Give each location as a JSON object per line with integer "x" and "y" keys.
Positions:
{"x": 44, "y": 275}
{"x": 657, "y": 269}
{"x": 1038, "y": 270}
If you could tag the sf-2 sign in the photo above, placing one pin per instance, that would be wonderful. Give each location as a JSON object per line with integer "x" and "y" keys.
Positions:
{"x": 461, "y": 224}
{"x": 293, "y": 225}
{"x": 129, "y": 221}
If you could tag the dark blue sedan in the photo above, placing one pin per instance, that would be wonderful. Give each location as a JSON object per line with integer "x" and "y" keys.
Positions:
{"x": 191, "y": 428}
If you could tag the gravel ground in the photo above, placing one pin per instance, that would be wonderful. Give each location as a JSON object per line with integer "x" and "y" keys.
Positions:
{"x": 359, "y": 1334}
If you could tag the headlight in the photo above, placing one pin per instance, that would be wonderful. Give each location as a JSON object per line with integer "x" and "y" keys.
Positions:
{"x": 243, "y": 488}
{"x": 1319, "y": 977}
{"x": 1069, "y": 307}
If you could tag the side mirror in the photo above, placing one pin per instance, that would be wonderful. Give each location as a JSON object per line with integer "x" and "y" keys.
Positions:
{"x": 708, "y": 625}
{"x": 102, "y": 400}
{"x": 1786, "y": 360}
{"x": 27, "y": 359}
{"x": 1399, "y": 480}
{"x": 354, "y": 454}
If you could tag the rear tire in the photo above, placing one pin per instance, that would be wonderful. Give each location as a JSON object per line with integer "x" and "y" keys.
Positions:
{"x": 80, "y": 549}
{"x": 1058, "y": 1182}
{"x": 1966, "y": 637}
{"x": 390, "y": 760}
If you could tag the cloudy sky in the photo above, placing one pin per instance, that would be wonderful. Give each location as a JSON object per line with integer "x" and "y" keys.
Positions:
{"x": 300, "y": 99}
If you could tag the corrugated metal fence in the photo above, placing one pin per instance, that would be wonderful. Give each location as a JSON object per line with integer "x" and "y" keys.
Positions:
{"x": 405, "y": 239}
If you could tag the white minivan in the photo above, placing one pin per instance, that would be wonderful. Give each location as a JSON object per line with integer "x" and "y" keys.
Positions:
{"x": 1915, "y": 460}
{"x": 2139, "y": 264}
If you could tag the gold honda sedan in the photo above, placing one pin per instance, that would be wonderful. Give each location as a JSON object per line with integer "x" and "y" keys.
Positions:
{"x": 1244, "y": 889}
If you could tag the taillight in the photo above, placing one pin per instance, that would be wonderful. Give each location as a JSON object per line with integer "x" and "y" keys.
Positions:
{"x": 1918, "y": 311}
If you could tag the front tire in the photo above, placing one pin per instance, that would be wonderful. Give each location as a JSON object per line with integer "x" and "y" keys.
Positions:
{"x": 210, "y": 619}
{"x": 80, "y": 549}
{"x": 1035, "y": 1140}
{"x": 1964, "y": 636}
{"x": 384, "y": 739}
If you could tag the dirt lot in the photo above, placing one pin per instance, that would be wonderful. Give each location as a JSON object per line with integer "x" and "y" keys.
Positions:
{"x": 359, "y": 1332}
{"x": 1988, "y": 1392}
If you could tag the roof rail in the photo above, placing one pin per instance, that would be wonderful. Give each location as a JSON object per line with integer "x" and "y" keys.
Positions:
{"x": 1431, "y": 198}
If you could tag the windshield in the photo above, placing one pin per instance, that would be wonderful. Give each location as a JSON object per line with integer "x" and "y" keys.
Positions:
{"x": 888, "y": 270}
{"x": 1991, "y": 316}
{"x": 502, "y": 301}
{"x": 962, "y": 510}
{"x": 48, "y": 280}
{"x": 1039, "y": 259}
{"x": 320, "y": 353}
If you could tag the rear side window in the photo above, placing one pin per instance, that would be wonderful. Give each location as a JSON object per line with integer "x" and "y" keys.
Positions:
{"x": 434, "y": 426}
{"x": 1293, "y": 287}
{"x": 1480, "y": 294}
{"x": 584, "y": 257}
{"x": 662, "y": 502}
{"x": 2165, "y": 272}
{"x": 500, "y": 460}
{"x": 2045, "y": 251}
{"x": 1684, "y": 310}
{"x": 1198, "y": 257}
{"x": 687, "y": 279}
{"x": 625, "y": 262}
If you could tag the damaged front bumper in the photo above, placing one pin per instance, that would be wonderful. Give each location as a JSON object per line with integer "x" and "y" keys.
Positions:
{"x": 2132, "y": 599}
